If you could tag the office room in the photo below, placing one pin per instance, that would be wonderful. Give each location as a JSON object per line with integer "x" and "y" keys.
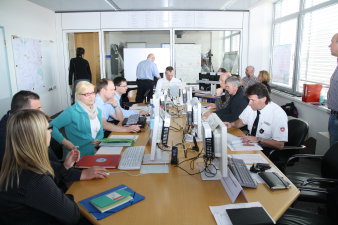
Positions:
{"x": 291, "y": 39}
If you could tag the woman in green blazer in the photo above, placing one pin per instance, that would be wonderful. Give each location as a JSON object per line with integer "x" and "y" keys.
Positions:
{"x": 81, "y": 121}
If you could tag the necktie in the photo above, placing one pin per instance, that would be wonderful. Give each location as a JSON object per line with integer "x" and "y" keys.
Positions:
{"x": 255, "y": 125}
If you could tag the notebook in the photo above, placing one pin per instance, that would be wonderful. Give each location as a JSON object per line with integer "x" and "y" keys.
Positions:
{"x": 249, "y": 216}
{"x": 111, "y": 200}
{"x": 98, "y": 215}
{"x": 106, "y": 161}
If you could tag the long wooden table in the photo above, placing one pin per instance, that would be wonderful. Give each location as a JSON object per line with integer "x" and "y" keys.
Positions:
{"x": 176, "y": 197}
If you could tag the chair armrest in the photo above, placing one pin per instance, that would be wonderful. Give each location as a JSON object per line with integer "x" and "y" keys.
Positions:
{"x": 321, "y": 180}
{"x": 294, "y": 147}
{"x": 308, "y": 156}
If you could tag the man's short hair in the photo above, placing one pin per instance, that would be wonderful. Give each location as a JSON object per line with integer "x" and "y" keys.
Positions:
{"x": 169, "y": 68}
{"x": 222, "y": 70}
{"x": 102, "y": 84}
{"x": 234, "y": 80}
{"x": 79, "y": 52}
{"x": 260, "y": 90}
{"x": 21, "y": 100}
{"x": 118, "y": 80}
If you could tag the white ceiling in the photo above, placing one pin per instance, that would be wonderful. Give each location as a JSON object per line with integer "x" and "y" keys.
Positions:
{"x": 135, "y": 5}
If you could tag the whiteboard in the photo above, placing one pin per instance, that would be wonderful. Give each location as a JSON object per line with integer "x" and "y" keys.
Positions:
{"x": 188, "y": 62}
{"x": 5, "y": 87}
{"x": 132, "y": 57}
{"x": 34, "y": 63}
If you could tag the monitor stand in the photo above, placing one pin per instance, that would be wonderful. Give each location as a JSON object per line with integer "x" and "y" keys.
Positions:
{"x": 161, "y": 157}
{"x": 215, "y": 165}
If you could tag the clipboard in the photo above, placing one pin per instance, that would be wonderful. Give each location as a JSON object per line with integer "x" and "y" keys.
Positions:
{"x": 98, "y": 215}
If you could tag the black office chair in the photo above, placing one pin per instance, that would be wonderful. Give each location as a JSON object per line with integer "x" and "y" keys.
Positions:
{"x": 316, "y": 188}
{"x": 297, "y": 132}
{"x": 301, "y": 217}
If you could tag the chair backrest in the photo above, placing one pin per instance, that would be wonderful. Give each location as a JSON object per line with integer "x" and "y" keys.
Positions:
{"x": 298, "y": 130}
{"x": 132, "y": 95}
{"x": 330, "y": 162}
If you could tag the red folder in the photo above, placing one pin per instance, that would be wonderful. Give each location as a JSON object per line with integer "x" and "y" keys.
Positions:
{"x": 311, "y": 92}
{"x": 106, "y": 161}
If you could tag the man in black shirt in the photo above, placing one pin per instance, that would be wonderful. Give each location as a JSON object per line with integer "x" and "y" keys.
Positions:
{"x": 64, "y": 171}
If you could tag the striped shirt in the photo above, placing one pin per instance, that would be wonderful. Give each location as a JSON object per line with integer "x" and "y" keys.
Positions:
{"x": 332, "y": 94}
{"x": 248, "y": 81}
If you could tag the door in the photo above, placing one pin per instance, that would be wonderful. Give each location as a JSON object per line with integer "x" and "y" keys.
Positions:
{"x": 90, "y": 42}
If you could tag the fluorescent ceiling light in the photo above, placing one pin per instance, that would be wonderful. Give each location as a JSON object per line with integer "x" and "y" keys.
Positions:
{"x": 113, "y": 5}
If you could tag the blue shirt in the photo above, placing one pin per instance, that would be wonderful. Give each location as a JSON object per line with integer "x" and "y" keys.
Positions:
{"x": 147, "y": 70}
{"x": 332, "y": 94}
{"x": 106, "y": 108}
{"x": 126, "y": 113}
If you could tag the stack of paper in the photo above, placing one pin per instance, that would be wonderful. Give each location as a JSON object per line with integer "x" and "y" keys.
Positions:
{"x": 119, "y": 140}
{"x": 235, "y": 144}
{"x": 111, "y": 200}
{"x": 106, "y": 150}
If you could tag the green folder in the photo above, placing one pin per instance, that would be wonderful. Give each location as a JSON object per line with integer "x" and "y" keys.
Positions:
{"x": 117, "y": 140}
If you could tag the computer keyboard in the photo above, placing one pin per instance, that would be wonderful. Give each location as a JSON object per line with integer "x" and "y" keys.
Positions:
{"x": 241, "y": 172}
{"x": 135, "y": 119}
{"x": 131, "y": 158}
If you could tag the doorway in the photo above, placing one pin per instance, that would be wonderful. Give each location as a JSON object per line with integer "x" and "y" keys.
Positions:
{"x": 90, "y": 42}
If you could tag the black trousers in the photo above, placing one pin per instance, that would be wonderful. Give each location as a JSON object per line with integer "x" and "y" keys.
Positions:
{"x": 144, "y": 89}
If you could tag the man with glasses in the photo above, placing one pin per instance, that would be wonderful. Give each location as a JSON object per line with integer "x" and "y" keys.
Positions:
{"x": 267, "y": 121}
{"x": 120, "y": 89}
{"x": 238, "y": 101}
{"x": 223, "y": 101}
{"x": 106, "y": 101}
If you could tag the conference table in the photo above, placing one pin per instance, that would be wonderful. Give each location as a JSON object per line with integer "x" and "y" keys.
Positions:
{"x": 177, "y": 197}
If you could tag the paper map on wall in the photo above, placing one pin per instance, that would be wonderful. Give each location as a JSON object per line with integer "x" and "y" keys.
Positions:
{"x": 33, "y": 63}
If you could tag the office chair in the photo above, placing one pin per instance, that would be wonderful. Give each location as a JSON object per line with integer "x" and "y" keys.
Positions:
{"x": 297, "y": 132}
{"x": 129, "y": 99}
{"x": 302, "y": 217}
{"x": 316, "y": 188}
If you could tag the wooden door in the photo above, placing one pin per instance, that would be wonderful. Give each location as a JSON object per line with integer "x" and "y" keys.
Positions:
{"x": 90, "y": 42}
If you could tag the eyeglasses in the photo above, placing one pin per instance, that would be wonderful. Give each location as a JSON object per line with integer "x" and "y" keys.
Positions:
{"x": 88, "y": 94}
{"x": 50, "y": 127}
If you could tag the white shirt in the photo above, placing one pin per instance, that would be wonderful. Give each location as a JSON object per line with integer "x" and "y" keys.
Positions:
{"x": 95, "y": 127}
{"x": 273, "y": 122}
{"x": 164, "y": 83}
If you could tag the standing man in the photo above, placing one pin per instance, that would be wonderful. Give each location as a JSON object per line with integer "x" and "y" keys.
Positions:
{"x": 120, "y": 89}
{"x": 145, "y": 73}
{"x": 168, "y": 80}
{"x": 267, "y": 121}
{"x": 250, "y": 78}
{"x": 332, "y": 95}
{"x": 79, "y": 70}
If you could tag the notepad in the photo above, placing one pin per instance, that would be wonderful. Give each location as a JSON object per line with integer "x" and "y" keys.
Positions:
{"x": 111, "y": 200}
{"x": 249, "y": 216}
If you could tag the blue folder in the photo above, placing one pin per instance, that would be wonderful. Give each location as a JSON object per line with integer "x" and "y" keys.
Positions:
{"x": 98, "y": 215}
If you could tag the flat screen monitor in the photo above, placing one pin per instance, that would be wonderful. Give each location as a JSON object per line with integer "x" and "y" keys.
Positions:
{"x": 197, "y": 118}
{"x": 219, "y": 131}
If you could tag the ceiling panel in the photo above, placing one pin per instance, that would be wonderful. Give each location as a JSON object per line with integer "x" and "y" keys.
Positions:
{"x": 131, "y": 5}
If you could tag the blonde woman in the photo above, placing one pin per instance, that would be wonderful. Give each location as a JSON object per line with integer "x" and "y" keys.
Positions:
{"x": 264, "y": 77}
{"x": 28, "y": 194}
{"x": 81, "y": 121}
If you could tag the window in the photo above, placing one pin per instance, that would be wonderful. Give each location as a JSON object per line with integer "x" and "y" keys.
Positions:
{"x": 315, "y": 23}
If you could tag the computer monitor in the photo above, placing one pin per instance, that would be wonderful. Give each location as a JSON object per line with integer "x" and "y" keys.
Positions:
{"x": 197, "y": 117}
{"x": 219, "y": 131}
{"x": 157, "y": 156}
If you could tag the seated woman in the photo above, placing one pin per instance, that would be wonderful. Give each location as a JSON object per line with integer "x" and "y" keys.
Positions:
{"x": 28, "y": 193}
{"x": 264, "y": 77}
{"x": 82, "y": 122}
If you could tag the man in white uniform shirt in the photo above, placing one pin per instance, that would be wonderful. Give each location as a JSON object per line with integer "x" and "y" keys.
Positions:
{"x": 168, "y": 80}
{"x": 271, "y": 128}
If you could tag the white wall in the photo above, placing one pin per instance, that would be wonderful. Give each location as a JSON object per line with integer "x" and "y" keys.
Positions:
{"x": 27, "y": 20}
{"x": 260, "y": 30}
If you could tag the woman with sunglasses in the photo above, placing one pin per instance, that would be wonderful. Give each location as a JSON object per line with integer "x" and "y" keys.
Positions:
{"x": 28, "y": 193}
{"x": 81, "y": 122}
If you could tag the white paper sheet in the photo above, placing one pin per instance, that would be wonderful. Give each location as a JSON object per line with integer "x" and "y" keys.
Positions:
{"x": 154, "y": 169}
{"x": 104, "y": 150}
{"x": 222, "y": 218}
{"x": 231, "y": 186}
{"x": 250, "y": 158}
{"x": 124, "y": 136}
